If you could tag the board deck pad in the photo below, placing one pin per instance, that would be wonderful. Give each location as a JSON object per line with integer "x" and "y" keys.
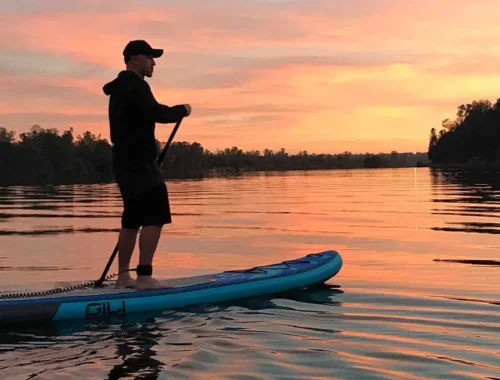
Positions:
{"x": 109, "y": 286}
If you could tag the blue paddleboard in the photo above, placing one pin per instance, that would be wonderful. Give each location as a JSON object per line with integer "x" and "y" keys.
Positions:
{"x": 106, "y": 301}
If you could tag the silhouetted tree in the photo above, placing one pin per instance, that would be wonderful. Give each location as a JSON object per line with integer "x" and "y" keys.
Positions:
{"x": 474, "y": 136}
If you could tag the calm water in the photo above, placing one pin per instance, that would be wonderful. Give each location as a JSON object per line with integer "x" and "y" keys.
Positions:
{"x": 392, "y": 312}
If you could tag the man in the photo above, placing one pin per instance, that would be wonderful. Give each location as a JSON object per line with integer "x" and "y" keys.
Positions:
{"x": 133, "y": 112}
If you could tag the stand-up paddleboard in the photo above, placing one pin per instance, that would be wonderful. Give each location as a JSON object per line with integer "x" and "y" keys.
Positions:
{"x": 108, "y": 301}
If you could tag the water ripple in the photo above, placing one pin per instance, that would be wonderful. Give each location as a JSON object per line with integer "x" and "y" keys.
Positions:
{"x": 393, "y": 312}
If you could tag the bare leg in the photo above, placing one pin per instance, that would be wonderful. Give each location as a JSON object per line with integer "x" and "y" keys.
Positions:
{"x": 148, "y": 241}
{"x": 126, "y": 244}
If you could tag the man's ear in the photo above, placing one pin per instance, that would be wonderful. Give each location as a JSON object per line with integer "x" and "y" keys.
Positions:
{"x": 134, "y": 59}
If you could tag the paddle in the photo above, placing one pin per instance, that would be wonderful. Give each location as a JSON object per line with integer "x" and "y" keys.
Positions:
{"x": 159, "y": 160}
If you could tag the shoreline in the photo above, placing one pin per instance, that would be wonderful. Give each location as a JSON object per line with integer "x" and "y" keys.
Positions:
{"x": 212, "y": 173}
{"x": 231, "y": 171}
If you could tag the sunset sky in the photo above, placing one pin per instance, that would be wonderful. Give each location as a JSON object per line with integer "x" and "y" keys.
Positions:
{"x": 323, "y": 76}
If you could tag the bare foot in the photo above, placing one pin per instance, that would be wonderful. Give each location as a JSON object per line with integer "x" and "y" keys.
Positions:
{"x": 147, "y": 282}
{"x": 124, "y": 281}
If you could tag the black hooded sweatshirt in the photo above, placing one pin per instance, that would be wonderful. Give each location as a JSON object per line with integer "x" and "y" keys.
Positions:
{"x": 133, "y": 112}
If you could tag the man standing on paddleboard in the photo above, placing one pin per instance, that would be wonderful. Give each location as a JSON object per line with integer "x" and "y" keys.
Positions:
{"x": 133, "y": 112}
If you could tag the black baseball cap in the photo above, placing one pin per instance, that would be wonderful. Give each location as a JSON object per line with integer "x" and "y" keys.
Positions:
{"x": 138, "y": 47}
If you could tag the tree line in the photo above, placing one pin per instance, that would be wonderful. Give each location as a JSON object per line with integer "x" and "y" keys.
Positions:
{"x": 44, "y": 156}
{"x": 472, "y": 139}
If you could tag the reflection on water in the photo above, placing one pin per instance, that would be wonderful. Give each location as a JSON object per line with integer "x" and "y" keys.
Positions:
{"x": 457, "y": 193}
{"x": 136, "y": 348}
{"x": 412, "y": 301}
{"x": 474, "y": 262}
{"x": 470, "y": 195}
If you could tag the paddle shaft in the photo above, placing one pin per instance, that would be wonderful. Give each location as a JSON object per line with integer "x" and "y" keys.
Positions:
{"x": 159, "y": 160}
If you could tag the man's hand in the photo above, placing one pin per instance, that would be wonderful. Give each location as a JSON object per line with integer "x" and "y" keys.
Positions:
{"x": 188, "y": 109}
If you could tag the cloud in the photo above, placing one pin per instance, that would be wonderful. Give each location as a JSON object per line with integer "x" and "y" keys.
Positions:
{"x": 14, "y": 62}
{"x": 42, "y": 92}
{"x": 322, "y": 70}
{"x": 46, "y": 119}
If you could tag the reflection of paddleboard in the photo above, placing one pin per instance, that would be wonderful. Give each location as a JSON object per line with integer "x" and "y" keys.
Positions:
{"x": 207, "y": 289}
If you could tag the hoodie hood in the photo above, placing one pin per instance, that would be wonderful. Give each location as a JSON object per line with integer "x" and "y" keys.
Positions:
{"x": 119, "y": 82}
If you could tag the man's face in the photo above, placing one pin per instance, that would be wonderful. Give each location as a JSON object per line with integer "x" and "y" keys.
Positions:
{"x": 145, "y": 64}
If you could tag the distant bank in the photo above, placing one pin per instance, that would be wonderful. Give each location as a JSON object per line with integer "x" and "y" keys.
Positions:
{"x": 43, "y": 156}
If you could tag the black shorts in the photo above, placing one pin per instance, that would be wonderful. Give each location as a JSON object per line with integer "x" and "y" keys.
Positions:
{"x": 143, "y": 191}
{"x": 149, "y": 208}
